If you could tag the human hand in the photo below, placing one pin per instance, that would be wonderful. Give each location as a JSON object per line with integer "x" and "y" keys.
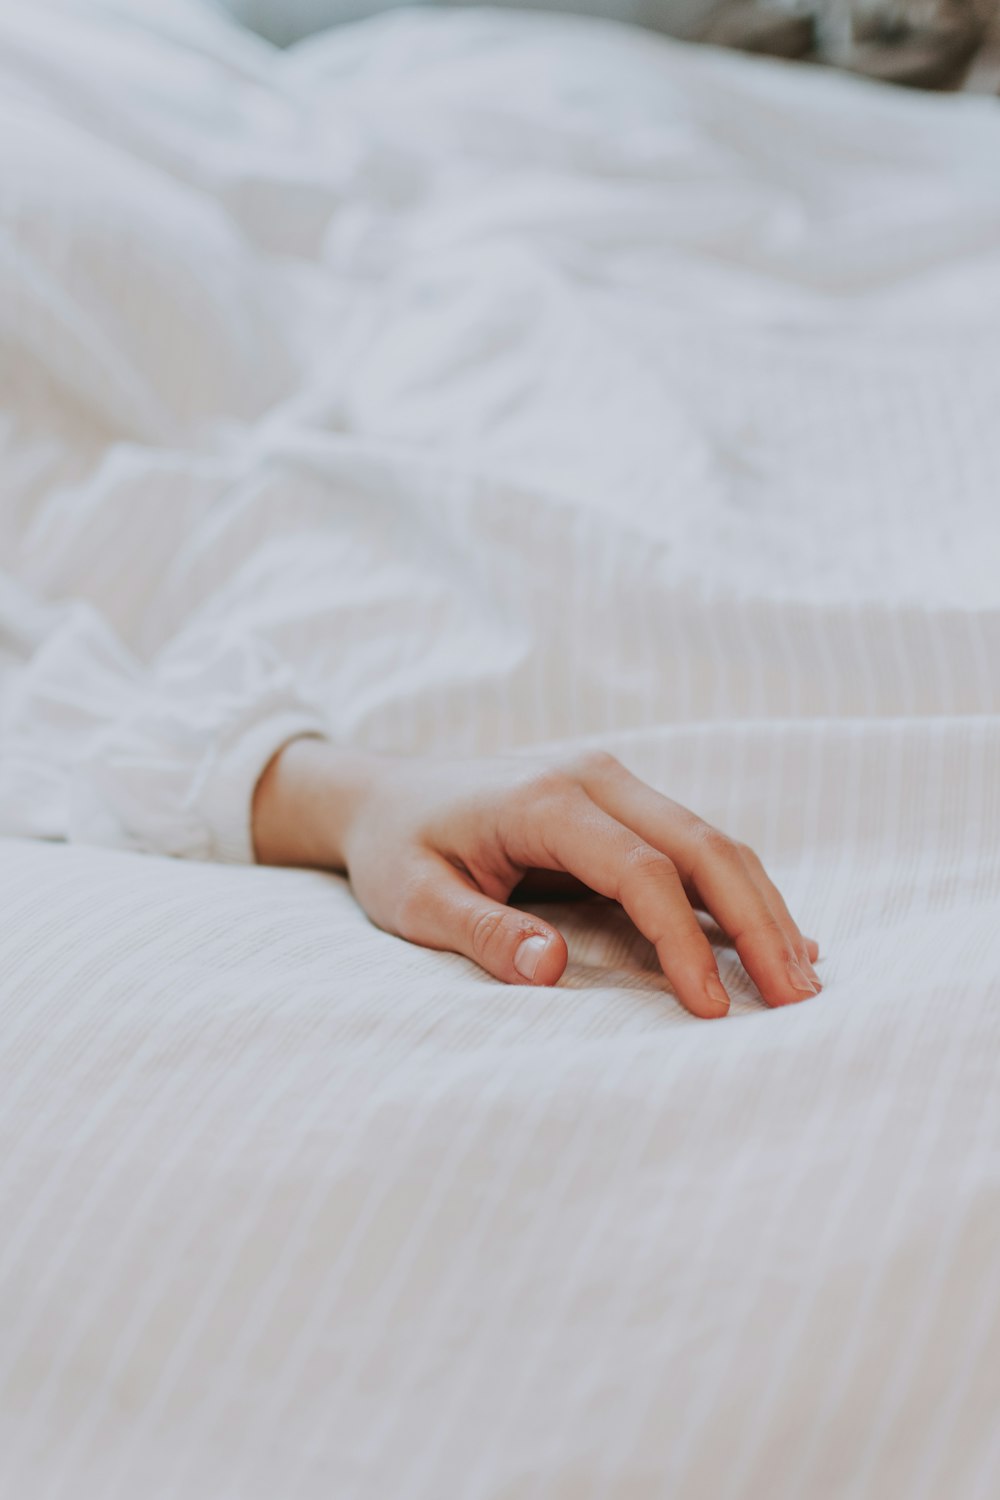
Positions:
{"x": 435, "y": 847}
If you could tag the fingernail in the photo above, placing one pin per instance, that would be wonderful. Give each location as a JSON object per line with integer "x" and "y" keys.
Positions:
{"x": 799, "y": 979}
{"x": 717, "y": 997}
{"x": 529, "y": 956}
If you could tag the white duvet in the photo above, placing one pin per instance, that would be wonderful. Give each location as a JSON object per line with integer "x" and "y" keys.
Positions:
{"x": 481, "y": 381}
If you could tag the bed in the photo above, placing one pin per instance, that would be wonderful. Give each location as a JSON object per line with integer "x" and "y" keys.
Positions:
{"x": 587, "y": 389}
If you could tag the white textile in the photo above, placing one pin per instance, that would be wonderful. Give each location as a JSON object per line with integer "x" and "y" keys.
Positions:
{"x": 481, "y": 381}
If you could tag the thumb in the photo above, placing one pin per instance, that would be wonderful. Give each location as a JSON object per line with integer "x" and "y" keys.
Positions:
{"x": 445, "y": 910}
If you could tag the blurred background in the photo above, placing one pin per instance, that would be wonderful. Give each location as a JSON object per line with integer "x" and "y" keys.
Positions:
{"x": 935, "y": 44}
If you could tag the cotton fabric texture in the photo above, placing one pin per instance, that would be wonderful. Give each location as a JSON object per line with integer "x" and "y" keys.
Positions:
{"x": 468, "y": 383}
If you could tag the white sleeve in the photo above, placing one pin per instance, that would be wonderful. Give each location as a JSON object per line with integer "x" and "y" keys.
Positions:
{"x": 98, "y": 748}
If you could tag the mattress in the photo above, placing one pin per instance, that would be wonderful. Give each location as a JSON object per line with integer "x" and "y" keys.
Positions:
{"x": 504, "y": 382}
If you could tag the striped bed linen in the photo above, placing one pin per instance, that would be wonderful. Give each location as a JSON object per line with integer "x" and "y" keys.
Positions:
{"x": 614, "y": 393}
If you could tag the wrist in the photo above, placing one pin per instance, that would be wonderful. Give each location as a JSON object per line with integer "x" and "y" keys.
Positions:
{"x": 305, "y": 803}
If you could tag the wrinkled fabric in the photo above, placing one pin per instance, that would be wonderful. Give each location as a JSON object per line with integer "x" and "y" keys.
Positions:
{"x": 358, "y": 390}
{"x": 483, "y": 382}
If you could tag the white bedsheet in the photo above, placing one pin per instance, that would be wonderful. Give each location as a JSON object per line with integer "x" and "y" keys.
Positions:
{"x": 486, "y": 380}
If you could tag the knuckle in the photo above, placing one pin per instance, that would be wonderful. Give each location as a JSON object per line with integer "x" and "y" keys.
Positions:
{"x": 593, "y": 765}
{"x": 764, "y": 928}
{"x": 713, "y": 844}
{"x": 487, "y": 933}
{"x": 549, "y": 784}
{"x": 642, "y": 856}
{"x": 640, "y": 862}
